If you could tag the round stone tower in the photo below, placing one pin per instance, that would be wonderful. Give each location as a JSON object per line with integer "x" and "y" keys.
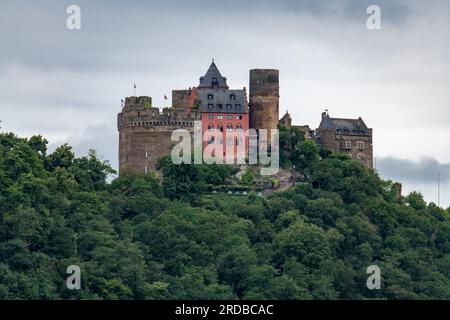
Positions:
{"x": 264, "y": 98}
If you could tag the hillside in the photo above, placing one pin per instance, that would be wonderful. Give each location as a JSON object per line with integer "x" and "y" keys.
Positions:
{"x": 141, "y": 238}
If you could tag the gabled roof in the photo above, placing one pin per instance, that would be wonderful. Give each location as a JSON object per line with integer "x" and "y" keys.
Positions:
{"x": 343, "y": 125}
{"x": 213, "y": 78}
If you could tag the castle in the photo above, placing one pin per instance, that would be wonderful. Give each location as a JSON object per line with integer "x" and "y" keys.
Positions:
{"x": 145, "y": 131}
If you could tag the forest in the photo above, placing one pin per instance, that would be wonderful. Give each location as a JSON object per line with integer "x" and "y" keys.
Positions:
{"x": 147, "y": 237}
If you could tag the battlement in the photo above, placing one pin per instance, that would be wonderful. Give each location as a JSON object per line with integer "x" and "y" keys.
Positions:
{"x": 135, "y": 103}
{"x": 137, "y": 111}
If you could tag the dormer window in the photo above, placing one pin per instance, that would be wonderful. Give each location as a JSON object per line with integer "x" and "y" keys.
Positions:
{"x": 214, "y": 82}
{"x": 232, "y": 96}
{"x": 210, "y": 96}
{"x": 210, "y": 106}
{"x": 238, "y": 106}
{"x": 229, "y": 106}
{"x": 219, "y": 106}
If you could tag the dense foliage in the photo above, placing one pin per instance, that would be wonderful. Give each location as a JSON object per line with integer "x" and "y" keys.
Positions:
{"x": 138, "y": 238}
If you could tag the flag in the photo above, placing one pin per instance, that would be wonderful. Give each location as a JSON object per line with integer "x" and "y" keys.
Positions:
{"x": 165, "y": 97}
{"x": 135, "y": 85}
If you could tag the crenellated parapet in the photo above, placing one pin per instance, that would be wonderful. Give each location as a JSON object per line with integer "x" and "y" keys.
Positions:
{"x": 138, "y": 112}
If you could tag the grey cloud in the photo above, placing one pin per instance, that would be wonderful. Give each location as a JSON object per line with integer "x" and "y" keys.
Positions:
{"x": 36, "y": 36}
{"x": 102, "y": 138}
{"x": 425, "y": 170}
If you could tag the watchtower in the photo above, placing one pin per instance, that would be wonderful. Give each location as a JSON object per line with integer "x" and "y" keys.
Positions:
{"x": 264, "y": 98}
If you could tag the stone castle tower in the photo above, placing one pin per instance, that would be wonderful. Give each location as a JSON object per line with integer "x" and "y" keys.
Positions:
{"x": 145, "y": 132}
{"x": 264, "y": 98}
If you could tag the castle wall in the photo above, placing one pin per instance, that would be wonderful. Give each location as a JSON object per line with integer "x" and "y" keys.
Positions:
{"x": 145, "y": 132}
{"x": 184, "y": 99}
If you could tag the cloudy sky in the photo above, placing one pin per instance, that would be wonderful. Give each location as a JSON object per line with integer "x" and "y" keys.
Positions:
{"x": 67, "y": 84}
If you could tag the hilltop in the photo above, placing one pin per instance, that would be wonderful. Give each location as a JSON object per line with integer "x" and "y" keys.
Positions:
{"x": 143, "y": 237}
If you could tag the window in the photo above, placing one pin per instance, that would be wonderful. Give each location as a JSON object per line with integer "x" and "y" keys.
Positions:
{"x": 232, "y": 96}
{"x": 229, "y": 117}
{"x": 210, "y": 106}
{"x": 348, "y": 144}
{"x": 210, "y": 126}
{"x": 239, "y": 141}
{"x": 220, "y": 117}
{"x": 238, "y": 106}
{"x": 210, "y": 117}
{"x": 360, "y": 145}
{"x": 211, "y": 140}
{"x": 239, "y": 127}
{"x": 220, "y": 127}
{"x": 229, "y": 106}
{"x": 239, "y": 117}
{"x": 360, "y": 156}
{"x": 229, "y": 127}
{"x": 210, "y": 96}
{"x": 219, "y": 106}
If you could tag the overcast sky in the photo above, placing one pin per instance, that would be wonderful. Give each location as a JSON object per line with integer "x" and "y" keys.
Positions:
{"x": 67, "y": 84}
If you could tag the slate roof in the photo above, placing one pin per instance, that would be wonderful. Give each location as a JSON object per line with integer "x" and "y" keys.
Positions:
{"x": 219, "y": 100}
{"x": 213, "y": 78}
{"x": 344, "y": 126}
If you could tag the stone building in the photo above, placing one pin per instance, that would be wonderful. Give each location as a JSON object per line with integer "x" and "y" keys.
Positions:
{"x": 350, "y": 136}
{"x": 286, "y": 121}
{"x": 145, "y": 132}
